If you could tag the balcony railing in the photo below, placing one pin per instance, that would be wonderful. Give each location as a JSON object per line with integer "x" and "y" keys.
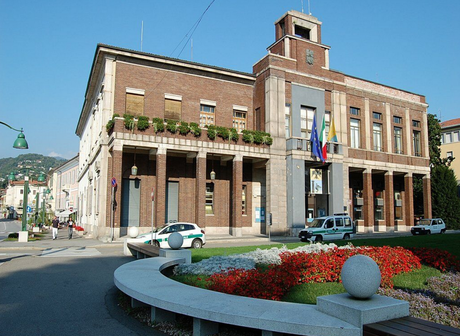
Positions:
{"x": 305, "y": 145}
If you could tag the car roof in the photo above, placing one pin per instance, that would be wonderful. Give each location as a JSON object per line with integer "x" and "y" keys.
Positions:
{"x": 168, "y": 224}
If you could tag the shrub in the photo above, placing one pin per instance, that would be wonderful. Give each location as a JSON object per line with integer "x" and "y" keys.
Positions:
{"x": 143, "y": 123}
{"x": 111, "y": 123}
{"x": 195, "y": 129}
{"x": 248, "y": 136}
{"x": 158, "y": 125}
{"x": 171, "y": 125}
{"x": 234, "y": 134}
{"x": 211, "y": 132}
{"x": 223, "y": 132}
{"x": 129, "y": 121}
{"x": 13, "y": 235}
{"x": 184, "y": 129}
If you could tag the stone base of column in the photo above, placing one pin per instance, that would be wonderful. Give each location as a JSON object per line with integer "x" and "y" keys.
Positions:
{"x": 236, "y": 232}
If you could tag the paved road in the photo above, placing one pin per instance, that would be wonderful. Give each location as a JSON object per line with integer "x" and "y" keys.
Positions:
{"x": 64, "y": 289}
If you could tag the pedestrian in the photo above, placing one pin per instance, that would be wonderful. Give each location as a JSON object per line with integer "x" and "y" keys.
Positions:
{"x": 55, "y": 227}
{"x": 70, "y": 224}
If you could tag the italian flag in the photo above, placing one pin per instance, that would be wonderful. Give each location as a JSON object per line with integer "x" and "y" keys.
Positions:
{"x": 322, "y": 139}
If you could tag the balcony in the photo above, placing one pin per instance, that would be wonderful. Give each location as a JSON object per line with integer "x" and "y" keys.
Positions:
{"x": 305, "y": 145}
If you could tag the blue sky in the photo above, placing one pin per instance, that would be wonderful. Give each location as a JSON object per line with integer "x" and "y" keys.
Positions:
{"x": 47, "y": 48}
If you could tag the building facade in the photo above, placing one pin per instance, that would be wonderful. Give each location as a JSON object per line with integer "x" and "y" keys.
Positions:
{"x": 450, "y": 144}
{"x": 63, "y": 185}
{"x": 260, "y": 162}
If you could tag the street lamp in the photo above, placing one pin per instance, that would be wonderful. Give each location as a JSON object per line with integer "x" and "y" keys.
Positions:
{"x": 20, "y": 142}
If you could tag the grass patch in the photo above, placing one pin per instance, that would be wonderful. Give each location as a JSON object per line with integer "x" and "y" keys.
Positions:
{"x": 307, "y": 293}
{"x": 415, "y": 279}
{"x": 192, "y": 280}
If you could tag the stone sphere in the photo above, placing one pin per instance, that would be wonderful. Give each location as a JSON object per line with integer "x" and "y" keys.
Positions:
{"x": 175, "y": 240}
{"x": 133, "y": 231}
{"x": 361, "y": 276}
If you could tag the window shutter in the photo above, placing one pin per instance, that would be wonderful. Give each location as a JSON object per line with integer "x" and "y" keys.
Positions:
{"x": 173, "y": 109}
{"x": 134, "y": 104}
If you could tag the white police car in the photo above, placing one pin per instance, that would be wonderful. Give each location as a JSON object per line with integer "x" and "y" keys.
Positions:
{"x": 193, "y": 235}
{"x": 428, "y": 226}
{"x": 339, "y": 226}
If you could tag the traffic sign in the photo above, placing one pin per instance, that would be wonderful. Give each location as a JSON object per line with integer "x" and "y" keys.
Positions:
{"x": 29, "y": 209}
{"x": 114, "y": 182}
{"x": 71, "y": 209}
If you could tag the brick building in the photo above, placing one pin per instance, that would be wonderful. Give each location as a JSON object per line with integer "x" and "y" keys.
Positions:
{"x": 229, "y": 185}
{"x": 450, "y": 144}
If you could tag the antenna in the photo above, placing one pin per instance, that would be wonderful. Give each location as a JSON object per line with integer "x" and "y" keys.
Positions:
{"x": 191, "y": 43}
{"x": 302, "y": 5}
{"x": 142, "y": 34}
{"x": 309, "y": 11}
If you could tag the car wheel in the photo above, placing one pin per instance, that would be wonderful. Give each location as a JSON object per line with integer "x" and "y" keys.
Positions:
{"x": 346, "y": 236}
{"x": 428, "y": 232}
{"x": 156, "y": 243}
{"x": 197, "y": 244}
{"x": 319, "y": 238}
{"x": 303, "y": 240}
{"x": 443, "y": 231}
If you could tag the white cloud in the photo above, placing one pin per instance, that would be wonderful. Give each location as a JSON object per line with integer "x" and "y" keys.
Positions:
{"x": 54, "y": 154}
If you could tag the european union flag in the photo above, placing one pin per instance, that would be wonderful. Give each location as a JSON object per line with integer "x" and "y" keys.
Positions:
{"x": 315, "y": 144}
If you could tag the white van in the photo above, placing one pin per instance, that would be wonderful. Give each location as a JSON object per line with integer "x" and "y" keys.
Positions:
{"x": 339, "y": 226}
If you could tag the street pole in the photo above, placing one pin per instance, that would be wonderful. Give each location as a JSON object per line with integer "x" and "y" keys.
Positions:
{"x": 43, "y": 207}
{"x": 153, "y": 207}
{"x": 24, "y": 202}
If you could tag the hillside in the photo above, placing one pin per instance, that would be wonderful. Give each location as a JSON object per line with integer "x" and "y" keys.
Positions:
{"x": 35, "y": 163}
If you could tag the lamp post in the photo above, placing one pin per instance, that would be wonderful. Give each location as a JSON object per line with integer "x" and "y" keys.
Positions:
{"x": 21, "y": 143}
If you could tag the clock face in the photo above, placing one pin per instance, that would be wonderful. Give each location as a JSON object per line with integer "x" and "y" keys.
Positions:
{"x": 310, "y": 57}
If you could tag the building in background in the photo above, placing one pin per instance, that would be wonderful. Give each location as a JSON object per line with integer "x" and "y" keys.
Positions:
{"x": 370, "y": 143}
{"x": 63, "y": 185}
{"x": 450, "y": 144}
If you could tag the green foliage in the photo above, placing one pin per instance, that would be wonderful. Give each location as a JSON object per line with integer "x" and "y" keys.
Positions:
{"x": 415, "y": 279}
{"x": 143, "y": 123}
{"x": 308, "y": 292}
{"x": 36, "y": 163}
{"x": 171, "y": 125}
{"x": 257, "y": 137}
{"x": 234, "y": 134}
{"x": 248, "y": 136}
{"x": 212, "y": 132}
{"x": 434, "y": 139}
{"x": 184, "y": 129}
{"x": 158, "y": 125}
{"x": 195, "y": 129}
{"x": 111, "y": 123}
{"x": 129, "y": 121}
{"x": 223, "y": 132}
{"x": 444, "y": 200}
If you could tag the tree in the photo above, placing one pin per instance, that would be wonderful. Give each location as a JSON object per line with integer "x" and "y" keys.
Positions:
{"x": 444, "y": 200}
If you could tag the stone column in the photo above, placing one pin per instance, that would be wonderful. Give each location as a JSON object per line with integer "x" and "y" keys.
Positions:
{"x": 160, "y": 190}
{"x": 427, "y": 196}
{"x": 237, "y": 182}
{"x": 368, "y": 198}
{"x": 389, "y": 202}
{"x": 408, "y": 200}
{"x": 200, "y": 190}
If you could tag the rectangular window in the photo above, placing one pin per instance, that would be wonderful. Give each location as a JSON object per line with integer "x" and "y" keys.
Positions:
{"x": 258, "y": 120}
{"x": 416, "y": 123}
{"x": 306, "y": 121}
{"x": 21, "y": 191}
{"x": 173, "y": 109}
{"x": 287, "y": 120}
{"x": 448, "y": 137}
{"x": 239, "y": 120}
{"x": 354, "y": 110}
{"x": 354, "y": 133}
{"x": 209, "y": 199}
{"x": 377, "y": 137}
{"x": 243, "y": 200}
{"x": 397, "y": 120}
{"x": 449, "y": 154}
{"x": 417, "y": 143}
{"x": 377, "y": 115}
{"x": 207, "y": 115}
{"x": 456, "y": 137}
{"x": 398, "y": 140}
{"x": 134, "y": 104}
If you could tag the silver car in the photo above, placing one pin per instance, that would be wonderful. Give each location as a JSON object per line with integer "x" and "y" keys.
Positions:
{"x": 428, "y": 226}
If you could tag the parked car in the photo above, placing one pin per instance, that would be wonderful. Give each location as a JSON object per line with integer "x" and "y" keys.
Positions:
{"x": 428, "y": 226}
{"x": 193, "y": 235}
{"x": 339, "y": 226}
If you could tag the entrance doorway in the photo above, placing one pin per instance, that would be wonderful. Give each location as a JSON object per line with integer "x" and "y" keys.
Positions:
{"x": 172, "y": 202}
{"x": 130, "y": 203}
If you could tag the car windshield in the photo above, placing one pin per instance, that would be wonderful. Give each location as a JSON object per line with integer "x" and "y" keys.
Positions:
{"x": 424, "y": 222}
{"x": 155, "y": 230}
{"x": 317, "y": 223}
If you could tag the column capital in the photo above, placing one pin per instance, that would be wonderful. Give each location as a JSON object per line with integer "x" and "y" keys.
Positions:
{"x": 238, "y": 157}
